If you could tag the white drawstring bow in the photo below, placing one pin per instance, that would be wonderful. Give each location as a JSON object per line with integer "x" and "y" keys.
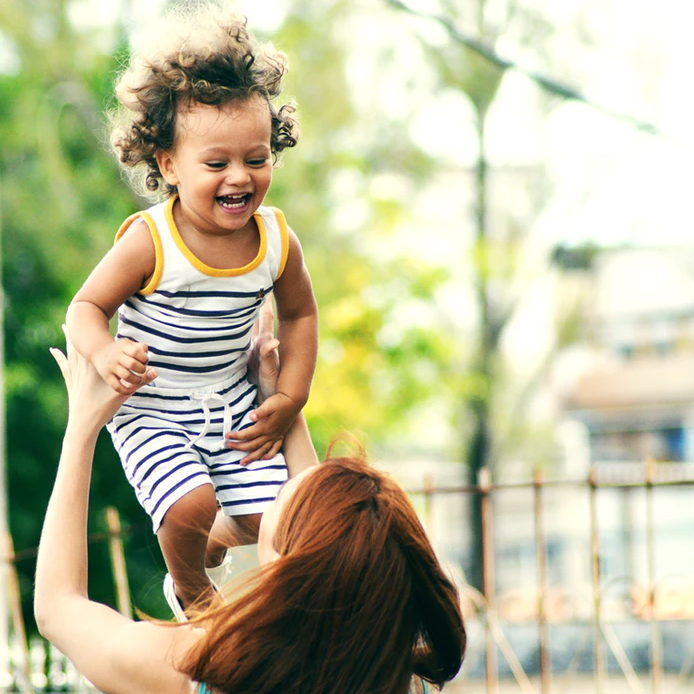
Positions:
{"x": 205, "y": 399}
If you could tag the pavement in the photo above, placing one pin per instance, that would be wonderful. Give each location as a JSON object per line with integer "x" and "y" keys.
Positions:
{"x": 583, "y": 684}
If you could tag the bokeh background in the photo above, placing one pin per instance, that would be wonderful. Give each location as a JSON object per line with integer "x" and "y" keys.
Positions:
{"x": 465, "y": 167}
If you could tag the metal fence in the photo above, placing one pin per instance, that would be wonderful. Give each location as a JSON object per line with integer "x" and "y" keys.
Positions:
{"x": 631, "y": 632}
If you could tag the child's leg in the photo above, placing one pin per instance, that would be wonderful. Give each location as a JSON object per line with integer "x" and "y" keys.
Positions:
{"x": 230, "y": 531}
{"x": 183, "y": 538}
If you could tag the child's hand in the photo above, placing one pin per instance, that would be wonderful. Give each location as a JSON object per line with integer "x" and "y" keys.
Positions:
{"x": 122, "y": 364}
{"x": 91, "y": 401}
{"x": 264, "y": 438}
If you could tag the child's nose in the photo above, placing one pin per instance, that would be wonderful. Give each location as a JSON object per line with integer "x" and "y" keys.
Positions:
{"x": 237, "y": 174}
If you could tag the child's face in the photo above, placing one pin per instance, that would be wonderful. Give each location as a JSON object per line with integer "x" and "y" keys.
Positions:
{"x": 221, "y": 163}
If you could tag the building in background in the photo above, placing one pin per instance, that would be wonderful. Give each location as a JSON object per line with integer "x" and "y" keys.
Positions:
{"x": 623, "y": 395}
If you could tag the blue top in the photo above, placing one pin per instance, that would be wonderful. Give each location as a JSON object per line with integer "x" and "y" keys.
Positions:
{"x": 206, "y": 689}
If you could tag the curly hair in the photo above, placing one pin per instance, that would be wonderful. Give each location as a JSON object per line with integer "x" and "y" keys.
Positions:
{"x": 202, "y": 55}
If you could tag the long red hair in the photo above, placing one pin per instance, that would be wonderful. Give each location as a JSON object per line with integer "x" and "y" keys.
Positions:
{"x": 356, "y": 603}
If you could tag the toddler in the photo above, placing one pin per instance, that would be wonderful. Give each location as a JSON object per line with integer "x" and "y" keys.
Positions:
{"x": 188, "y": 277}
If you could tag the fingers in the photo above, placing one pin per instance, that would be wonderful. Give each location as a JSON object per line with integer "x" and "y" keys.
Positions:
{"x": 128, "y": 373}
{"x": 149, "y": 375}
{"x": 129, "y": 383}
{"x": 266, "y": 319}
{"x": 248, "y": 439}
{"x": 121, "y": 386}
{"x": 274, "y": 449}
{"x": 266, "y": 348}
{"x": 134, "y": 358}
{"x": 62, "y": 362}
{"x": 263, "y": 411}
{"x": 258, "y": 449}
{"x": 258, "y": 454}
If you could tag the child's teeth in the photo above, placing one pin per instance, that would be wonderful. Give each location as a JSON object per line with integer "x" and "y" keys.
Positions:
{"x": 233, "y": 200}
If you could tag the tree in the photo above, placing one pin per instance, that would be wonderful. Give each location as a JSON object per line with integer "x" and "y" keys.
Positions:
{"x": 499, "y": 258}
{"x": 364, "y": 382}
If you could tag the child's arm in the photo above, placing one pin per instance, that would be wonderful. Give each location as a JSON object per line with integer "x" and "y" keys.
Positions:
{"x": 298, "y": 335}
{"x": 122, "y": 272}
{"x": 264, "y": 370}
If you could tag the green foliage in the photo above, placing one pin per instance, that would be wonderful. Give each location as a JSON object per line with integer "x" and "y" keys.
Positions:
{"x": 61, "y": 201}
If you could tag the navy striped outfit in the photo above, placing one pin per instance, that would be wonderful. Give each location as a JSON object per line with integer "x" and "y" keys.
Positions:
{"x": 197, "y": 322}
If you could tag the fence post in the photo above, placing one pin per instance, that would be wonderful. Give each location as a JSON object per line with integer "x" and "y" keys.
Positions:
{"x": 540, "y": 543}
{"x": 484, "y": 483}
{"x": 656, "y": 654}
{"x": 428, "y": 496}
{"x": 120, "y": 573}
{"x": 595, "y": 575}
{"x": 15, "y": 599}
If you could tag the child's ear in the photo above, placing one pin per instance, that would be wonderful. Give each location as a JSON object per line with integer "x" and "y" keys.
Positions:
{"x": 166, "y": 167}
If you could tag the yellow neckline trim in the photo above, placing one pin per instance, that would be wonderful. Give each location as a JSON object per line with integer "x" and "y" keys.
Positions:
{"x": 206, "y": 269}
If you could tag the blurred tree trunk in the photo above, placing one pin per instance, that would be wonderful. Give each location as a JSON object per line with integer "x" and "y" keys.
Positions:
{"x": 478, "y": 446}
{"x": 496, "y": 254}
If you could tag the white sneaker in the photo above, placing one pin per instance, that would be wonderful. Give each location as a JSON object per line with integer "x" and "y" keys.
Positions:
{"x": 219, "y": 575}
{"x": 172, "y": 599}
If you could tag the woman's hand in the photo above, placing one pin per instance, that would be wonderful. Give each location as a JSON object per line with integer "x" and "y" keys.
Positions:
{"x": 263, "y": 359}
{"x": 92, "y": 402}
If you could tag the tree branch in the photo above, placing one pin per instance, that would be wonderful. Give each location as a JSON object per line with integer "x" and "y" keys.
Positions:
{"x": 548, "y": 83}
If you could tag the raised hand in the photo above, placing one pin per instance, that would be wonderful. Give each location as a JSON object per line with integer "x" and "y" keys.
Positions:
{"x": 92, "y": 401}
{"x": 263, "y": 360}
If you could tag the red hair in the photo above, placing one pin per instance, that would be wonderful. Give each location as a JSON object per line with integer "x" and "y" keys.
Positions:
{"x": 356, "y": 603}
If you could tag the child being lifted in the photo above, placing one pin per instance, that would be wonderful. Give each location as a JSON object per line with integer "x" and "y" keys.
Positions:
{"x": 188, "y": 278}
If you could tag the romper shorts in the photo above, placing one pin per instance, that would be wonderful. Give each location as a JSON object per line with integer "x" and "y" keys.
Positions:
{"x": 171, "y": 441}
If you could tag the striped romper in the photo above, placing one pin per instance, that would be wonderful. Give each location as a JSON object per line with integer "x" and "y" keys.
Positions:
{"x": 197, "y": 322}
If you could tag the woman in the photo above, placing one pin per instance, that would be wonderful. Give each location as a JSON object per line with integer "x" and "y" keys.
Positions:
{"x": 349, "y": 599}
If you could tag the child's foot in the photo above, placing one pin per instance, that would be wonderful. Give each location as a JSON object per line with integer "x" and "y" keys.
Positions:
{"x": 172, "y": 599}
{"x": 219, "y": 575}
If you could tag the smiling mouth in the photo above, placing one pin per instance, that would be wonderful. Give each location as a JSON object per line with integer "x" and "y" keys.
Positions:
{"x": 234, "y": 202}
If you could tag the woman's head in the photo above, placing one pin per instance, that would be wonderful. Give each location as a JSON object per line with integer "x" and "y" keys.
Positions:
{"x": 354, "y": 602}
{"x": 198, "y": 56}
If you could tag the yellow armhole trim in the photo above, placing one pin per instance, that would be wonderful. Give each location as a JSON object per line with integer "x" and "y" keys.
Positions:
{"x": 213, "y": 271}
{"x": 158, "y": 250}
{"x": 284, "y": 236}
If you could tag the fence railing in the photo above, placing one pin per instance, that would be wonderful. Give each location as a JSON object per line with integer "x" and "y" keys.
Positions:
{"x": 592, "y": 613}
{"x": 34, "y": 665}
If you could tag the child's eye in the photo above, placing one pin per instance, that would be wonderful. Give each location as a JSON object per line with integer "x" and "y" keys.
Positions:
{"x": 257, "y": 162}
{"x": 215, "y": 164}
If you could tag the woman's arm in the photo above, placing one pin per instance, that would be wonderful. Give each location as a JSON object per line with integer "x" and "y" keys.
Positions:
{"x": 298, "y": 448}
{"x": 113, "y": 652}
{"x": 298, "y": 336}
{"x": 264, "y": 371}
